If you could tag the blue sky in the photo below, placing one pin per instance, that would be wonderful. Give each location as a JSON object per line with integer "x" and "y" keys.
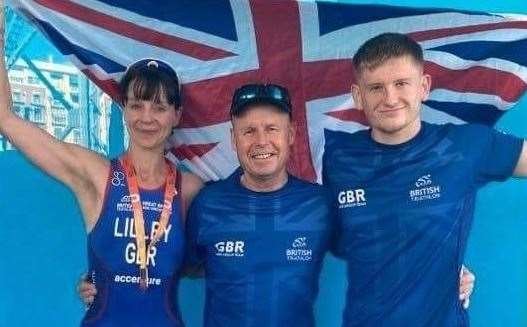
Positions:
{"x": 40, "y": 48}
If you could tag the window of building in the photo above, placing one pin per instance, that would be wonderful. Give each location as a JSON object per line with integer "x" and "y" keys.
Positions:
{"x": 74, "y": 81}
{"x": 17, "y": 109}
{"x": 36, "y": 98}
{"x": 32, "y": 80}
{"x": 55, "y": 75}
{"x": 17, "y": 96}
{"x": 16, "y": 79}
{"x": 38, "y": 116}
{"x": 60, "y": 117}
{"x": 57, "y": 104}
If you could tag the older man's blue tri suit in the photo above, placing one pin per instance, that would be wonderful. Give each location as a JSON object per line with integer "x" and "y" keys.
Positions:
{"x": 262, "y": 251}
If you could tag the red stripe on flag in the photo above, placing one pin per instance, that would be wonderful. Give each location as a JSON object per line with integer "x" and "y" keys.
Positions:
{"x": 136, "y": 32}
{"x": 280, "y": 51}
{"x": 476, "y": 79}
{"x": 208, "y": 102}
{"x": 191, "y": 151}
{"x": 444, "y": 32}
{"x": 327, "y": 78}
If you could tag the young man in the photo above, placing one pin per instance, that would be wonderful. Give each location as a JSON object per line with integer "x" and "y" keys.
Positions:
{"x": 261, "y": 234}
{"x": 404, "y": 192}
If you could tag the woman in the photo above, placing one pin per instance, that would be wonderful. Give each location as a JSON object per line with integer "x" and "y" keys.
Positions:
{"x": 135, "y": 251}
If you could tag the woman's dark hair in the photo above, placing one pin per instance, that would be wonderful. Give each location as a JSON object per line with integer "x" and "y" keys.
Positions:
{"x": 151, "y": 80}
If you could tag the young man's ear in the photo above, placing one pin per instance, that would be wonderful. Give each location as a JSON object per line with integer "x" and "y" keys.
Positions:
{"x": 426, "y": 84}
{"x": 357, "y": 99}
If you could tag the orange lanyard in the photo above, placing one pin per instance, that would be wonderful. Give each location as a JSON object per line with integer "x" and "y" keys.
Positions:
{"x": 139, "y": 222}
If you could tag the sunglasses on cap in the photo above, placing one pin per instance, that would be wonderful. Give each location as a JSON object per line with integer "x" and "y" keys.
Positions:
{"x": 154, "y": 64}
{"x": 260, "y": 93}
{"x": 149, "y": 64}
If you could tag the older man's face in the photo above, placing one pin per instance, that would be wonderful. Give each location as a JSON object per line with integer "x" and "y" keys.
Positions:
{"x": 262, "y": 137}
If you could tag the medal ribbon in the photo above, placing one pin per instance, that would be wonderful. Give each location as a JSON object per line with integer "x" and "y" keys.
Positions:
{"x": 139, "y": 222}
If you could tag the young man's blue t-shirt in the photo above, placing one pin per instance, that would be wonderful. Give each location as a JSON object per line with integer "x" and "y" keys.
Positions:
{"x": 403, "y": 216}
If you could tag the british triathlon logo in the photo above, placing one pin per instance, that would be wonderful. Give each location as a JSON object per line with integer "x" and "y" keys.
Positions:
{"x": 299, "y": 250}
{"x": 351, "y": 198}
{"x": 425, "y": 189}
{"x": 230, "y": 248}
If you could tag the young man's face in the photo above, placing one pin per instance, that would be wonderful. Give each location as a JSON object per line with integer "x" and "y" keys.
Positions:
{"x": 390, "y": 96}
{"x": 262, "y": 137}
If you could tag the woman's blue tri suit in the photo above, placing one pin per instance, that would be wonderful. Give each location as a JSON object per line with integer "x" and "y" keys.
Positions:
{"x": 404, "y": 213}
{"x": 113, "y": 260}
{"x": 262, "y": 251}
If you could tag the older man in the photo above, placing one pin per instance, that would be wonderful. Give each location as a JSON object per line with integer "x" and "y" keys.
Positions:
{"x": 261, "y": 234}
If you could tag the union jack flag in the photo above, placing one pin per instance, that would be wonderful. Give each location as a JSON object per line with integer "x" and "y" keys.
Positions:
{"x": 477, "y": 61}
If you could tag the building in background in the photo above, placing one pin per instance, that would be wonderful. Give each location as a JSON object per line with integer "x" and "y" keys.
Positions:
{"x": 54, "y": 95}
{"x": 60, "y": 100}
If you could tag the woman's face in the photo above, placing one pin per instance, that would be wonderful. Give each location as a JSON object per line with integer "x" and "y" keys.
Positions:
{"x": 149, "y": 123}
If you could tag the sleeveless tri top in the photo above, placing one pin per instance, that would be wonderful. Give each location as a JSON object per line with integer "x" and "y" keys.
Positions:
{"x": 113, "y": 259}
